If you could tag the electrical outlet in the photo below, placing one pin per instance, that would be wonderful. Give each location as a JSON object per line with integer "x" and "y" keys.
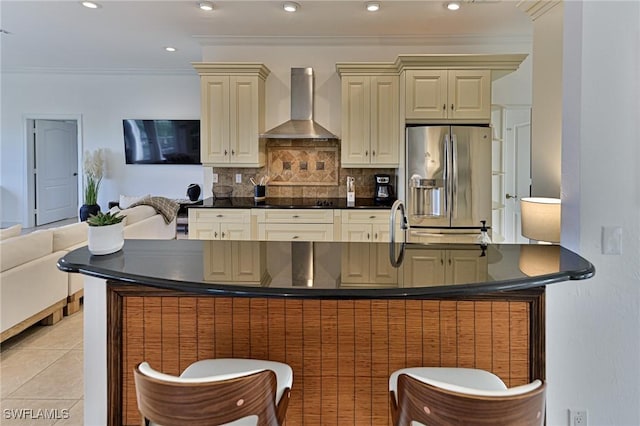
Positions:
{"x": 577, "y": 417}
{"x": 214, "y": 178}
{"x": 238, "y": 177}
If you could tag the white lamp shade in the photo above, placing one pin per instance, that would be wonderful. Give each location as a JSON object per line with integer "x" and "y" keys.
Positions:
{"x": 541, "y": 219}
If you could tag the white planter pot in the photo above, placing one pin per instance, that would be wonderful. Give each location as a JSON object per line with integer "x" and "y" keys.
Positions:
{"x": 106, "y": 239}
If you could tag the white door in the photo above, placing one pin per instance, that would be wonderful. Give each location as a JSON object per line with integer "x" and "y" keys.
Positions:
{"x": 56, "y": 170}
{"x": 517, "y": 169}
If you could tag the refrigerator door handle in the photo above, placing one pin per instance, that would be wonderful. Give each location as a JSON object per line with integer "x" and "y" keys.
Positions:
{"x": 454, "y": 177}
{"x": 447, "y": 175}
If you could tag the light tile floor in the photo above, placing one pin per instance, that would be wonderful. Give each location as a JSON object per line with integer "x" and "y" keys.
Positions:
{"x": 41, "y": 375}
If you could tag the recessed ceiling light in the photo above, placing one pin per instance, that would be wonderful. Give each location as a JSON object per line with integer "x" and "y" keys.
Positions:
{"x": 206, "y": 5}
{"x": 90, "y": 4}
{"x": 291, "y": 6}
{"x": 454, "y": 5}
{"x": 170, "y": 49}
{"x": 373, "y": 6}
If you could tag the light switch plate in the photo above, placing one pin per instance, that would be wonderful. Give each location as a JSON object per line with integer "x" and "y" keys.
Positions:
{"x": 214, "y": 178}
{"x": 611, "y": 240}
{"x": 238, "y": 177}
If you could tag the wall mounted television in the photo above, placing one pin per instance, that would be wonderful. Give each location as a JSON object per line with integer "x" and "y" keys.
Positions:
{"x": 161, "y": 141}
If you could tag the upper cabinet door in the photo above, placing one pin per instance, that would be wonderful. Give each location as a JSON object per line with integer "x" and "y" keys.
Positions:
{"x": 214, "y": 124}
{"x": 244, "y": 119}
{"x": 370, "y": 120}
{"x": 385, "y": 119}
{"x": 356, "y": 127}
{"x": 426, "y": 94}
{"x": 469, "y": 94}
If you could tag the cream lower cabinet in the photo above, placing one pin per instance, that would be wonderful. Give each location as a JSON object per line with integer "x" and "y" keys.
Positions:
{"x": 219, "y": 224}
{"x": 366, "y": 264}
{"x": 235, "y": 262}
{"x": 294, "y": 224}
{"x": 365, "y": 225}
{"x": 424, "y": 267}
{"x": 232, "y": 116}
{"x": 370, "y": 119}
{"x": 448, "y": 94}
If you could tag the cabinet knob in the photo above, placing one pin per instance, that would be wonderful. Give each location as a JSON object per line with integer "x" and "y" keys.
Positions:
{"x": 366, "y": 153}
{"x": 295, "y": 237}
{"x": 233, "y": 152}
{"x": 215, "y": 234}
{"x": 368, "y": 236}
{"x": 373, "y": 153}
{"x": 372, "y": 217}
{"x": 295, "y": 216}
{"x": 375, "y": 236}
{"x": 441, "y": 261}
{"x": 451, "y": 107}
{"x": 444, "y": 107}
{"x": 219, "y": 215}
{"x": 449, "y": 261}
{"x": 223, "y": 235}
{"x": 225, "y": 152}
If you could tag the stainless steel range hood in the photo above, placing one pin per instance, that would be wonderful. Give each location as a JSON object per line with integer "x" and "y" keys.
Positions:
{"x": 301, "y": 125}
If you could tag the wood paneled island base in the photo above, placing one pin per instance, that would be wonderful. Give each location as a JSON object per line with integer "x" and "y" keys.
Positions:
{"x": 342, "y": 351}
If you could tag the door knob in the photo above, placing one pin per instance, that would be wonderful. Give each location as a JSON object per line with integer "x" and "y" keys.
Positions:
{"x": 509, "y": 196}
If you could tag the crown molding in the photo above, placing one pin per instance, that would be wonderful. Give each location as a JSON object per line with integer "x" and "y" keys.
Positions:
{"x": 221, "y": 68}
{"x": 537, "y": 8}
{"x": 391, "y": 40}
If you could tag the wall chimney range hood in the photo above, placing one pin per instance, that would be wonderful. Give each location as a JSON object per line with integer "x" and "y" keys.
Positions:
{"x": 301, "y": 125}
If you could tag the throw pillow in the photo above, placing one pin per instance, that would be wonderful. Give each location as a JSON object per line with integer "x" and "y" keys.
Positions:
{"x": 126, "y": 200}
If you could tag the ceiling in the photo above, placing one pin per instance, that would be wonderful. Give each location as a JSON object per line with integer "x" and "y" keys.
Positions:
{"x": 132, "y": 35}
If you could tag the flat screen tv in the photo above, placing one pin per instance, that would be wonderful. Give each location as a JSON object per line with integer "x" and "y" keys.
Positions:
{"x": 161, "y": 141}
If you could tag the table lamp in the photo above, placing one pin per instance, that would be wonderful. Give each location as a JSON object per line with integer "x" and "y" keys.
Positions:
{"x": 541, "y": 219}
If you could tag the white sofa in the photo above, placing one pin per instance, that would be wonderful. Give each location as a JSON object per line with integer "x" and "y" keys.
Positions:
{"x": 33, "y": 289}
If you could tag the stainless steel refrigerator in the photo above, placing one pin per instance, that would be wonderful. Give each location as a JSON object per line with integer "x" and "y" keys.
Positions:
{"x": 448, "y": 181}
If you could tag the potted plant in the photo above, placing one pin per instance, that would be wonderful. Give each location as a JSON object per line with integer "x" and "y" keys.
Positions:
{"x": 106, "y": 233}
{"x": 93, "y": 171}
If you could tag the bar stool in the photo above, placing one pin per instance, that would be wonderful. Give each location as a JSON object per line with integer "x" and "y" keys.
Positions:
{"x": 438, "y": 396}
{"x": 214, "y": 392}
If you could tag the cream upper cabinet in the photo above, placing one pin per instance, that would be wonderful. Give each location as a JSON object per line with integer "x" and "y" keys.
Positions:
{"x": 370, "y": 119}
{"x": 448, "y": 94}
{"x": 232, "y": 114}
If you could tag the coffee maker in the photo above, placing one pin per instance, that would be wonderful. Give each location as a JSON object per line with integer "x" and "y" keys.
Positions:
{"x": 383, "y": 193}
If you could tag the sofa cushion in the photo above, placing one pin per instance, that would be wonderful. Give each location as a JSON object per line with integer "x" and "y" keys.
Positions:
{"x": 10, "y": 232}
{"x": 126, "y": 200}
{"x": 20, "y": 250}
{"x": 69, "y": 235}
{"x": 136, "y": 214}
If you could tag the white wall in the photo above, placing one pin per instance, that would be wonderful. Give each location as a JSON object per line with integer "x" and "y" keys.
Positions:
{"x": 102, "y": 101}
{"x": 593, "y": 326}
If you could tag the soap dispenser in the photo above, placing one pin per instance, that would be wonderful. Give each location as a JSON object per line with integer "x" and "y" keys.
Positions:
{"x": 351, "y": 190}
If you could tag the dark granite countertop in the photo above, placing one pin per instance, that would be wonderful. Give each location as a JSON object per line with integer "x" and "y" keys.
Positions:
{"x": 288, "y": 203}
{"x": 183, "y": 264}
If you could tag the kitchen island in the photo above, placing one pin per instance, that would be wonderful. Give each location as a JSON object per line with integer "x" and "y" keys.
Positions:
{"x": 340, "y": 314}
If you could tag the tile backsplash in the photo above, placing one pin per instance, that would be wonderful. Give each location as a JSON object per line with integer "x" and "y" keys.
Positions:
{"x": 302, "y": 168}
